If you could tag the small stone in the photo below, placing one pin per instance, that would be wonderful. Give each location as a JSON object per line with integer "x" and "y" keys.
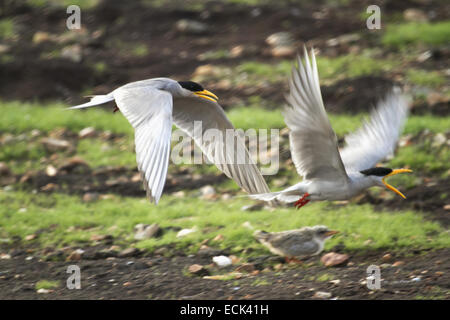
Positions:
{"x": 42, "y": 36}
{"x": 179, "y": 194}
{"x": 55, "y": 145}
{"x": 185, "y": 232}
{"x": 90, "y": 197}
{"x": 208, "y": 192}
{"x": 147, "y": 231}
{"x": 44, "y": 291}
{"x": 398, "y": 263}
{"x": 280, "y": 39}
{"x": 439, "y": 273}
{"x": 222, "y": 261}
{"x": 51, "y": 171}
{"x": 333, "y": 259}
{"x": 30, "y": 237}
{"x": 73, "y": 52}
{"x": 247, "y": 225}
{"x": 127, "y": 284}
{"x": 447, "y": 207}
{"x": 86, "y": 133}
{"x": 335, "y": 282}
{"x": 205, "y": 71}
{"x": 246, "y": 268}
{"x": 5, "y": 256}
{"x": 387, "y": 257}
{"x": 75, "y": 255}
{"x": 191, "y": 27}
{"x": 219, "y": 238}
{"x": 129, "y": 252}
{"x": 101, "y": 237}
{"x": 198, "y": 270}
{"x": 415, "y": 15}
{"x": 73, "y": 163}
{"x": 322, "y": 295}
{"x": 49, "y": 187}
{"x": 283, "y": 52}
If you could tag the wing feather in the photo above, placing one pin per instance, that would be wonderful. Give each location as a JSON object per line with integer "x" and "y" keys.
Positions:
{"x": 149, "y": 111}
{"x": 312, "y": 140}
{"x": 232, "y": 158}
{"x": 378, "y": 137}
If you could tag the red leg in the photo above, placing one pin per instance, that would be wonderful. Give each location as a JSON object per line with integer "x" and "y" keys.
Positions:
{"x": 116, "y": 109}
{"x": 302, "y": 201}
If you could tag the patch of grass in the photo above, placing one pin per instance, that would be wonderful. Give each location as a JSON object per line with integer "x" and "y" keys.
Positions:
{"x": 324, "y": 277}
{"x": 18, "y": 117}
{"x": 139, "y": 50}
{"x": 330, "y": 69}
{"x": 405, "y": 34}
{"x": 46, "y": 284}
{"x": 7, "y": 29}
{"x": 102, "y": 153}
{"x": 260, "y": 282}
{"x": 68, "y": 221}
{"x": 425, "y": 78}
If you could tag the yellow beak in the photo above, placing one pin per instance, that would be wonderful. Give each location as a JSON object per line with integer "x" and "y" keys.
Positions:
{"x": 208, "y": 95}
{"x": 331, "y": 232}
{"x": 393, "y": 173}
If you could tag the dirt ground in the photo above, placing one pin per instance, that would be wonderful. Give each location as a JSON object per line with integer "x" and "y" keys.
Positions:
{"x": 143, "y": 276}
{"x": 158, "y": 277}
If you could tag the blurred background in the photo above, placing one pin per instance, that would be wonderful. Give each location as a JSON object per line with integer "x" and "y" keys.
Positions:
{"x": 68, "y": 179}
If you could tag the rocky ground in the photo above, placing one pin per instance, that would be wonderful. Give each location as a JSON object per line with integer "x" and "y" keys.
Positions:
{"x": 119, "y": 43}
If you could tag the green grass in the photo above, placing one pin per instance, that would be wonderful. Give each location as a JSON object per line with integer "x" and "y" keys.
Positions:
{"x": 412, "y": 33}
{"x": 7, "y": 29}
{"x": 330, "y": 69}
{"x": 46, "y": 284}
{"x": 19, "y": 117}
{"x": 25, "y": 154}
{"x": 425, "y": 78}
{"x": 65, "y": 220}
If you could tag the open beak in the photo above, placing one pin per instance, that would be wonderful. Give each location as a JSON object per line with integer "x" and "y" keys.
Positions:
{"x": 393, "y": 173}
{"x": 331, "y": 232}
{"x": 208, "y": 95}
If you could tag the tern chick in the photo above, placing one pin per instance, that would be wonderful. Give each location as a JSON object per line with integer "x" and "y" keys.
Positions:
{"x": 295, "y": 244}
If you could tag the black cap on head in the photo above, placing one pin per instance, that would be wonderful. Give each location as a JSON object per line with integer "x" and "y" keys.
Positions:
{"x": 377, "y": 171}
{"x": 191, "y": 86}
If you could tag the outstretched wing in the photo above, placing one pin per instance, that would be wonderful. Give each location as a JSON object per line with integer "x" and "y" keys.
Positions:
{"x": 313, "y": 142}
{"x": 378, "y": 137}
{"x": 229, "y": 155}
{"x": 149, "y": 111}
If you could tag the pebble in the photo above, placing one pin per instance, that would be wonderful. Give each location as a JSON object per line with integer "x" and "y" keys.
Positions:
{"x": 333, "y": 259}
{"x": 398, "y": 263}
{"x": 185, "y": 232}
{"x": 75, "y": 255}
{"x": 42, "y": 290}
{"x": 51, "y": 171}
{"x": 129, "y": 252}
{"x": 322, "y": 295}
{"x": 208, "y": 192}
{"x": 246, "y": 268}
{"x": 55, "y": 145}
{"x": 191, "y": 26}
{"x": 222, "y": 261}
{"x": 386, "y": 257}
{"x": 86, "y": 133}
{"x": 146, "y": 231}
{"x": 90, "y": 197}
{"x": 198, "y": 270}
